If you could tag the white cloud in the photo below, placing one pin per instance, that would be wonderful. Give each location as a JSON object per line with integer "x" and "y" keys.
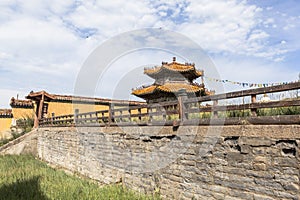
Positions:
{"x": 39, "y": 32}
{"x": 112, "y": 17}
{"x": 50, "y": 40}
{"x": 227, "y": 26}
{"x": 6, "y": 95}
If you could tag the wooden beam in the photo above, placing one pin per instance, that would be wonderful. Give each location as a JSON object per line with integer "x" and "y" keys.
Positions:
{"x": 242, "y": 93}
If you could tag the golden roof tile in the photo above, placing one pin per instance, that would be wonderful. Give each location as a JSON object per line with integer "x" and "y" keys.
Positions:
{"x": 167, "y": 87}
{"x": 144, "y": 90}
{"x": 175, "y": 87}
{"x": 174, "y": 66}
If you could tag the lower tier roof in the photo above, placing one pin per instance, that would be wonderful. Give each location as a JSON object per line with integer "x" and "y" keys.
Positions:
{"x": 167, "y": 87}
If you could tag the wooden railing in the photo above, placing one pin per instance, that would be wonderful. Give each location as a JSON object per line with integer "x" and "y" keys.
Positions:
{"x": 192, "y": 111}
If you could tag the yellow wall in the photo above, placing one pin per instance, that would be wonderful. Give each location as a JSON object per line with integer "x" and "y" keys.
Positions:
{"x": 23, "y": 113}
{"x": 5, "y": 124}
{"x": 61, "y": 108}
{"x": 66, "y": 108}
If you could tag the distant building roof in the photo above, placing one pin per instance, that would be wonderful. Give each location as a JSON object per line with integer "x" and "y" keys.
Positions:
{"x": 265, "y": 98}
{"x": 6, "y": 113}
{"x": 15, "y": 103}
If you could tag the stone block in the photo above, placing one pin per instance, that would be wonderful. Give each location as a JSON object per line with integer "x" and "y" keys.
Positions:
{"x": 227, "y": 197}
{"x": 240, "y": 194}
{"x": 234, "y": 157}
{"x": 246, "y": 149}
{"x": 260, "y": 166}
{"x": 261, "y": 197}
{"x": 256, "y": 141}
{"x": 286, "y": 162}
{"x": 291, "y": 186}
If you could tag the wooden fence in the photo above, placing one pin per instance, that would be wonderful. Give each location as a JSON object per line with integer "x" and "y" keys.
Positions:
{"x": 206, "y": 110}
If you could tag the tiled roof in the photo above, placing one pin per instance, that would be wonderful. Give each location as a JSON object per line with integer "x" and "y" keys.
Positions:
{"x": 20, "y": 103}
{"x": 167, "y": 87}
{"x": 175, "y": 87}
{"x": 144, "y": 90}
{"x": 35, "y": 95}
{"x": 7, "y": 113}
{"x": 57, "y": 97}
{"x": 174, "y": 66}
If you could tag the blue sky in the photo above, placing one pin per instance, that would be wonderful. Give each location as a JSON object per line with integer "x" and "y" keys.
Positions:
{"x": 43, "y": 44}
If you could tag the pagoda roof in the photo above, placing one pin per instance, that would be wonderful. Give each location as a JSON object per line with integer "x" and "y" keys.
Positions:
{"x": 174, "y": 67}
{"x": 167, "y": 87}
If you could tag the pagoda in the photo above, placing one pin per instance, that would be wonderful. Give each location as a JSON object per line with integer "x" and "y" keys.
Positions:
{"x": 170, "y": 78}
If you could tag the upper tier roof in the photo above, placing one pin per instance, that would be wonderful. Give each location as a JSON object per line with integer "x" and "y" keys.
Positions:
{"x": 186, "y": 69}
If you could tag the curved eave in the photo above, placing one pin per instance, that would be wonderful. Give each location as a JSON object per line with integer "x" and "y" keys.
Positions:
{"x": 168, "y": 88}
{"x": 173, "y": 88}
{"x": 144, "y": 91}
{"x": 174, "y": 66}
{"x": 189, "y": 74}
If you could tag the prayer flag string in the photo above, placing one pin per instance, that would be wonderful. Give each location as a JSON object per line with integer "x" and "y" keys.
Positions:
{"x": 246, "y": 84}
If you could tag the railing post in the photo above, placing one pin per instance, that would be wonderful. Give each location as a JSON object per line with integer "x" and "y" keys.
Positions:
{"x": 102, "y": 114}
{"x": 110, "y": 114}
{"x": 129, "y": 112}
{"x": 253, "y": 110}
{"x": 215, "y": 113}
{"x": 121, "y": 118}
{"x": 140, "y": 112}
{"x": 182, "y": 96}
{"x": 164, "y": 112}
{"x": 52, "y": 118}
{"x": 76, "y": 116}
{"x": 149, "y": 110}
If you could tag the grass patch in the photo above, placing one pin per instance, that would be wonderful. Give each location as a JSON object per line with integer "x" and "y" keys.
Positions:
{"x": 4, "y": 141}
{"x": 24, "y": 177}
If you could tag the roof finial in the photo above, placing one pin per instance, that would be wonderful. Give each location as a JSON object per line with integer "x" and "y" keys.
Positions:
{"x": 174, "y": 59}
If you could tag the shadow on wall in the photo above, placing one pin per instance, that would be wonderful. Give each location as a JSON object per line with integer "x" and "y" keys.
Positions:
{"x": 26, "y": 190}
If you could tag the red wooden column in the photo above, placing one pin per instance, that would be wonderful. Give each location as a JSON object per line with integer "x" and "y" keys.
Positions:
{"x": 39, "y": 111}
{"x": 41, "y": 106}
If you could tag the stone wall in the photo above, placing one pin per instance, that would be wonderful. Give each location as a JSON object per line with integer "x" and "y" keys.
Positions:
{"x": 231, "y": 162}
{"x": 25, "y": 144}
